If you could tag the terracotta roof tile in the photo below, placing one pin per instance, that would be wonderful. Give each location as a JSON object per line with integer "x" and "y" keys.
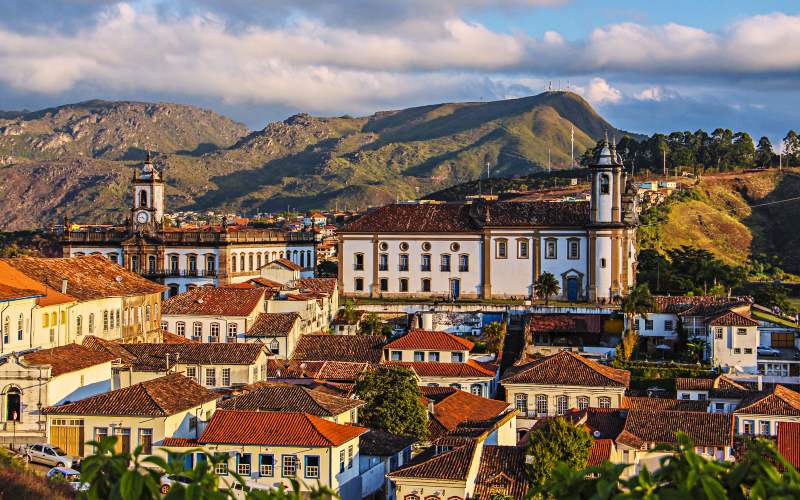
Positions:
{"x": 564, "y": 323}
{"x": 276, "y": 396}
{"x": 171, "y": 338}
{"x": 430, "y": 340}
{"x": 378, "y": 443}
{"x": 153, "y": 357}
{"x": 732, "y": 318}
{"x": 698, "y": 305}
{"x": 88, "y": 278}
{"x": 267, "y": 283}
{"x": 566, "y": 368}
{"x": 450, "y": 465}
{"x": 636, "y": 403}
{"x": 273, "y": 325}
{"x": 158, "y": 397}
{"x": 779, "y": 401}
{"x": 67, "y": 358}
{"x": 15, "y": 284}
{"x": 8, "y": 293}
{"x": 352, "y": 348}
{"x": 604, "y": 423}
{"x": 502, "y": 470}
{"x": 288, "y": 264}
{"x": 457, "y": 370}
{"x": 277, "y": 429}
{"x": 325, "y": 370}
{"x": 325, "y": 286}
{"x": 600, "y": 452}
{"x": 214, "y": 302}
{"x": 789, "y": 442}
{"x": 719, "y": 387}
{"x": 115, "y": 349}
{"x": 175, "y": 442}
{"x": 460, "y": 406}
{"x": 658, "y": 427}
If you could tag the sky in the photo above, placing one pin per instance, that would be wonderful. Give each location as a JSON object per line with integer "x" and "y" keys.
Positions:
{"x": 646, "y": 65}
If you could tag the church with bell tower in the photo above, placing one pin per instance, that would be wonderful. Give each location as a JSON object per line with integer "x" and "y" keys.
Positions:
{"x": 147, "y": 211}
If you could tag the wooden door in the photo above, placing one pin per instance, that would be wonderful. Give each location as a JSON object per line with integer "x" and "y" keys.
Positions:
{"x": 67, "y": 434}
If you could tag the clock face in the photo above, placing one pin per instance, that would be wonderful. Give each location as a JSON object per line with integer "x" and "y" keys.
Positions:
{"x": 142, "y": 217}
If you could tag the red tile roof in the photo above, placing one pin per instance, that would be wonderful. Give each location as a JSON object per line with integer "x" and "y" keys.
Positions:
{"x": 600, "y": 452}
{"x": 88, "y": 278}
{"x": 779, "y": 401}
{"x": 636, "y": 403}
{"x": 158, "y": 397}
{"x": 8, "y": 293}
{"x": 268, "y": 428}
{"x": 732, "y": 318}
{"x": 564, "y": 323}
{"x": 153, "y": 357}
{"x": 789, "y": 442}
{"x": 326, "y": 370}
{"x": 277, "y": 396}
{"x": 378, "y": 443}
{"x": 451, "y": 465}
{"x": 67, "y": 358}
{"x": 502, "y": 470}
{"x": 171, "y": 338}
{"x": 698, "y": 305}
{"x": 175, "y": 442}
{"x": 454, "y": 370}
{"x": 115, "y": 349}
{"x": 430, "y": 340}
{"x": 215, "y": 302}
{"x": 14, "y": 284}
{"x": 566, "y": 368}
{"x": 267, "y": 283}
{"x": 288, "y": 264}
{"x": 273, "y": 325}
{"x": 604, "y": 423}
{"x": 719, "y": 387}
{"x": 461, "y": 406}
{"x": 325, "y": 286}
{"x": 353, "y": 348}
{"x": 659, "y": 427}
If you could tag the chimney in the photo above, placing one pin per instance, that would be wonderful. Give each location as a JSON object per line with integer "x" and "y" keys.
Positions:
{"x": 760, "y": 382}
{"x": 64, "y": 283}
{"x": 431, "y": 408}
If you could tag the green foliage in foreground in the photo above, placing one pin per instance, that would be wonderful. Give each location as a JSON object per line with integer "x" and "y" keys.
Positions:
{"x": 392, "y": 402}
{"x": 124, "y": 476}
{"x": 683, "y": 475}
{"x": 557, "y": 441}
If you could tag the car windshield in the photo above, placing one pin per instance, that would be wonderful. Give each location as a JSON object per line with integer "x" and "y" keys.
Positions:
{"x": 58, "y": 450}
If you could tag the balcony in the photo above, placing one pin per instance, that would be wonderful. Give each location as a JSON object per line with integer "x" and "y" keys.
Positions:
{"x": 180, "y": 273}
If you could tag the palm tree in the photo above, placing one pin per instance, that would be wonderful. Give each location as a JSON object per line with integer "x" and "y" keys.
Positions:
{"x": 639, "y": 302}
{"x": 545, "y": 286}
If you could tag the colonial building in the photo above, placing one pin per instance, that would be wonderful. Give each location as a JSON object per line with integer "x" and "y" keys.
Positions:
{"x": 183, "y": 258}
{"x": 496, "y": 249}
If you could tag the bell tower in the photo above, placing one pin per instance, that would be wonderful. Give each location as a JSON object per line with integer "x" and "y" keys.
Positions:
{"x": 147, "y": 210}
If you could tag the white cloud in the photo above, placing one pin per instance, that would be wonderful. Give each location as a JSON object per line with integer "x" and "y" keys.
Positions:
{"x": 600, "y": 91}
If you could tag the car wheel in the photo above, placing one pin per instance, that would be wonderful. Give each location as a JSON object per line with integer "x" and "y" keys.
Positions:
{"x": 164, "y": 489}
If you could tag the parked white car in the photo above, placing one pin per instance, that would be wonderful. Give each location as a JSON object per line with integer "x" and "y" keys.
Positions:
{"x": 70, "y": 476}
{"x": 168, "y": 481}
{"x": 764, "y": 350}
{"x": 49, "y": 454}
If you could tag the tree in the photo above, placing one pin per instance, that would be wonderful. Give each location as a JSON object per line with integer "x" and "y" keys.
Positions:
{"x": 392, "y": 402}
{"x": 327, "y": 268}
{"x": 494, "y": 333}
{"x": 545, "y": 286}
{"x": 791, "y": 149}
{"x": 638, "y": 303}
{"x": 124, "y": 476}
{"x": 760, "y": 475}
{"x": 371, "y": 324}
{"x": 696, "y": 348}
{"x": 764, "y": 152}
{"x": 773, "y": 295}
{"x": 556, "y": 441}
{"x": 349, "y": 313}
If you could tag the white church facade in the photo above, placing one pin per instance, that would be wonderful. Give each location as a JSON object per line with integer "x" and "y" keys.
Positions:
{"x": 185, "y": 258}
{"x": 497, "y": 249}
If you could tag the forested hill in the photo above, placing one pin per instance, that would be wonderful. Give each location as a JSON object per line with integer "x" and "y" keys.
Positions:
{"x": 78, "y": 158}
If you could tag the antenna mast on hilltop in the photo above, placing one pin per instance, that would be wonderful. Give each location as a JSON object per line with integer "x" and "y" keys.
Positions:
{"x": 572, "y": 145}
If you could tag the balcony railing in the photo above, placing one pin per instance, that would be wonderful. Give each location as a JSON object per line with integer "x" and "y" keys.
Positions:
{"x": 194, "y": 237}
{"x": 197, "y": 273}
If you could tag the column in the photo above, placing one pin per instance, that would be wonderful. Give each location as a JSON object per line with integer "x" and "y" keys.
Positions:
{"x": 375, "y": 289}
{"x": 486, "y": 269}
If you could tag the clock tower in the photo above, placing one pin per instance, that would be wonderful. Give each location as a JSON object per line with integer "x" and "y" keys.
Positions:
{"x": 147, "y": 210}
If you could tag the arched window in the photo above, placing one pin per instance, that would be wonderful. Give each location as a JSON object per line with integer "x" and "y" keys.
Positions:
{"x": 501, "y": 248}
{"x": 143, "y": 198}
{"x": 302, "y": 259}
{"x": 294, "y": 256}
{"x": 91, "y": 323}
{"x": 13, "y": 404}
{"x": 151, "y": 264}
{"x": 242, "y": 262}
{"x": 476, "y": 389}
{"x": 411, "y": 497}
{"x": 180, "y": 328}
{"x": 155, "y": 311}
{"x": 604, "y": 402}
{"x": 6, "y": 330}
{"x": 214, "y": 332}
{"x": 147, "y": 312}
{"x": 105, "y": 321}
{"x": 541, "y": 404}
{"x": 583, "y": 402}
{"x": 210, "y": 264}
{"x": 258, "y": 261}
{"x": 197, "y": 330}
{"x": 605, "y": 184}
{"x": 309, "y": 260}
{"x": 20, "y": 326}
{"x": 521, "y": 403}
{"x": 79, "y": 325}
{"x": 274, "y": 346}
{"x": 233, "y": 263}
{"x": 561, "y": 405}
{"x": 250, "y": 262}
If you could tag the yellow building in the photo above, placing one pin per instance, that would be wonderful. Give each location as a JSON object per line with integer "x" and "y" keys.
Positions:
{"x": 272, "y": 448}
{"x": 143, "y": 414}
{"x": 553, "y": 385}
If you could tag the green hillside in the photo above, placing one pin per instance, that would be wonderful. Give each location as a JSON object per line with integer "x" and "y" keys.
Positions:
{"x": 77, "y": 158}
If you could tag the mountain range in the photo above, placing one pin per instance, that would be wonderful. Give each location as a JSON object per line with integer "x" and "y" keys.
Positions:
{"x": 78, "y": 159}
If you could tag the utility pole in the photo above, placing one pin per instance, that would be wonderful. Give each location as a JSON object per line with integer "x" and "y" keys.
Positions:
{"x": 571, "y": 143}
{"x": 548, "y": 159}
{"x": 664, "y": 152}
{"x": 489, "y": 178}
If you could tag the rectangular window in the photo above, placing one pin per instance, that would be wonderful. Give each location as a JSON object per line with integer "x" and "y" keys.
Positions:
{"x": 737, "y": 350}
{"x": 764, "y": 428}
{"x": 522, "y": 249}
{"x": 403, "y": 262}
{"x": 123, "y": 435}
{"x": 748, "y": 427}
{"x": 636, "y": 325}
{"x": 233, "y": 330}
{"x": 359, "y": 286}
{"x": 211, "y": 377}
{"x": 383, "y": 262}
{"x": 312, "y": 466}
{"x": 266, "y": 465}
{"x": 146, "y": 441}
{"x": 425, "y": 266}
{"x": 718, "y": 333}
{"x": 180, "y": 328}
{"x": 226, "y": 377}
{"x": 457, "y": 357}
{"x": 221, "y": 469}
{"x": 501, "y": 249}
{"x": 403, "y": 284}
{"x": 648, "y": 324}
{"x": 384, "y": 285}
{"x": 463, "y": 263}
{"x": 433, "y": 357}
{"x": 214, "y": 332}
{"x": 701, "y": 397}
{"x": 685, "y": 395}
{"x": 574, "y": 249}
{"x": 358, "y": 262}
{"x": 445, "y": 264}
{"x": 541, "y": 404}
{"x": 289, "y": 466}
{"x": 550, "y": 249}
{"x": 419, "y": 356}
{"x": 341, "y": 461}
{"x": 243, "y": 465}
{"x": 521, "y": 403}
{"x": 426, "y": 285}
{"x": 741, "y": 331}
{"x": 350, "y": 457}
{"x": 100, "y": 433}
{"x": 748, "y": 350}
{"x": 191, "y": 372}
{"x": 668, "y": 325}
{"x": 397, "y": 356}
